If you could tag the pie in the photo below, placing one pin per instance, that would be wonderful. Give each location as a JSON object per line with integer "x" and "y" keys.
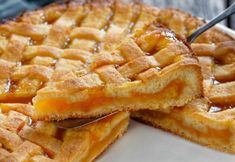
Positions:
{"x": 24, "y": 139}
{"x": 208, "y": 120}
{"x": 80, "y": 60}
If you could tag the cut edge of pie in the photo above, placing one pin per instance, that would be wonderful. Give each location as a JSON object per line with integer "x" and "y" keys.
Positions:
{"x": 178, "y": 85}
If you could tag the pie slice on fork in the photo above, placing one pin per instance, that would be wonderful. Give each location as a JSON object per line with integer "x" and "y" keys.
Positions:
{"x": 149, "y": 70}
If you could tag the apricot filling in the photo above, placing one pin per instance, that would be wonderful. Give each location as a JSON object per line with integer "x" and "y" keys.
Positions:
{"x": 96, "y": 100}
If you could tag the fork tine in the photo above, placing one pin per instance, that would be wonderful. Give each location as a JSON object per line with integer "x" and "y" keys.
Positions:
{"x": 77, "y": 123}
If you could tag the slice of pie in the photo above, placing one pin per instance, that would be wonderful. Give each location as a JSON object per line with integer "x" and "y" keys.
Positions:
{"x": 149, "y": 70}
{"x": 82, "y": 60}
{"x": 210, "y": 120}
{"x": 23, "y": 139}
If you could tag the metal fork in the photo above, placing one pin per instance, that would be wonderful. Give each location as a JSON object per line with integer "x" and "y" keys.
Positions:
{"x": 223, "y": 15}
{"x": 77, "y": 123}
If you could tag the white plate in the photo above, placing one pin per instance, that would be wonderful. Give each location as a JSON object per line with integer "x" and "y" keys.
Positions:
{"x": 143, "y": 143}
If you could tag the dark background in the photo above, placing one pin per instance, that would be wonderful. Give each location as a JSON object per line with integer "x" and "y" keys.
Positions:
{"x": 12, "y": 8}
{"x": 206, "y": 9}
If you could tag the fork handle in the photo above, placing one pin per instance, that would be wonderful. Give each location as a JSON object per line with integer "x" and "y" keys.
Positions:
{"x": 227, "y": 12}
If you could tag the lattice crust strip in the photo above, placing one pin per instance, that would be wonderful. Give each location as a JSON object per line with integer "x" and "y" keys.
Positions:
{"x": 210, "y": 120}
{"x": 22, "y": 139}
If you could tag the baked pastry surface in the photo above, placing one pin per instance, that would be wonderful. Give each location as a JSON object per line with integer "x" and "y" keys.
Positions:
{"x": 23, "y": 139}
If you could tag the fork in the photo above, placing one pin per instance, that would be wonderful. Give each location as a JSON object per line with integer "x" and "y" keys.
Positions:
{"x": 223, "y": 15}
{"x": 77, "y": 123}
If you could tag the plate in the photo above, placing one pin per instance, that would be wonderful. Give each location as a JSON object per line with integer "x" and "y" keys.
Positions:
{"x": 143, "y": 143}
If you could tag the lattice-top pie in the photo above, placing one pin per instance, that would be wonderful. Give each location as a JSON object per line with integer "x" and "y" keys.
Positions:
{"x": 209, "y": 120}
{"x": 92, "y": 58}
{"x": 82, "y": 60}
{"x": 23, "y": 139}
